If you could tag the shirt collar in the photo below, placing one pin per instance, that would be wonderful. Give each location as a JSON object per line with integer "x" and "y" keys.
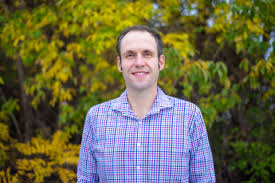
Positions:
{"x": 121, "y": 104}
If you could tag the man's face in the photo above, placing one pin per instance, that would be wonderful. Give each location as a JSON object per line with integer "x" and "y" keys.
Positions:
{"x": 139, "y": 61}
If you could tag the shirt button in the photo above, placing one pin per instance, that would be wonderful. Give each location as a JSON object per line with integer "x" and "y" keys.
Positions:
{"x": 140, "y": 122}
{"x": 138, "y": 167}
{"x": 138, "y": 144}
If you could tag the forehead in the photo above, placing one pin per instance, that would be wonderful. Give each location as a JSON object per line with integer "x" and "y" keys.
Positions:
{"x": 138, "y": 40}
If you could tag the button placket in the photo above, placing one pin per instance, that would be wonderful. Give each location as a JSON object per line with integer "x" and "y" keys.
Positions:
{"x": 139, "y": 150}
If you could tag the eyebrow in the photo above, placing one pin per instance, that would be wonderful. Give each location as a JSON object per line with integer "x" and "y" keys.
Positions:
{"x": 147, "y": 50}
{"x": 134, "y": 52}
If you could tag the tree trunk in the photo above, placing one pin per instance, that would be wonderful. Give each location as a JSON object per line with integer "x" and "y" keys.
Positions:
{"x": 26, "y": 110}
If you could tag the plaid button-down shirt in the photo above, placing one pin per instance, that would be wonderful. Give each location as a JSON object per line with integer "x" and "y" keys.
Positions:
{"x": 169, "y": 144}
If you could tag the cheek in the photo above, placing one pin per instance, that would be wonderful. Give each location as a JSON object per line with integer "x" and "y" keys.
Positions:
{"x": 155, "y": 65}
{"x": 126, "y": 66}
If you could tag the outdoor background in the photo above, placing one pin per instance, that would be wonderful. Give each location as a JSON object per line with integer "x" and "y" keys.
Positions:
{"x": 57, "y": 59}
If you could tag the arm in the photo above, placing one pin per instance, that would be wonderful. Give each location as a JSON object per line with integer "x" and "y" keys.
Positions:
{"x": 201, "y": 166}
{"x": 86, "y": 171}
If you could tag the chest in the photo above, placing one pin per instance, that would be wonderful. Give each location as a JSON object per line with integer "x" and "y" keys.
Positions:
{"x": 156, "y": 133}
{"x": 155, "y": 148}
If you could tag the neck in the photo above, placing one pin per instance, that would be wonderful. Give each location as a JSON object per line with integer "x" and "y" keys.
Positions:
{"x": 141, "y": 101}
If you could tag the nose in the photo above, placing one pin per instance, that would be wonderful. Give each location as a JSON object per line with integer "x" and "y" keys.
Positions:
{"x": 139, "y": 61}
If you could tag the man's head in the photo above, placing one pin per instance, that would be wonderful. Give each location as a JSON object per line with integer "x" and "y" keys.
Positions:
{"x": 140, "y": 59}
{"x": 141, "y": 29}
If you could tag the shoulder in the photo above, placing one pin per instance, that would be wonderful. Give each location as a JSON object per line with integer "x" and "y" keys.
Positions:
{"x": 184, "y": 106}
{"x": 188, "y": 111}
{"x": 100, "y": 109}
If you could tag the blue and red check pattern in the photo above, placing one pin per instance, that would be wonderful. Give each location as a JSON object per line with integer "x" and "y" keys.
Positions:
{"x": 169, "y": 144}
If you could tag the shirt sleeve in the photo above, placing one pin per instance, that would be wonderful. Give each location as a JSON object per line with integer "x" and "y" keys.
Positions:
{"x": 86, "y": 170}
{"x": 201, "y": 166}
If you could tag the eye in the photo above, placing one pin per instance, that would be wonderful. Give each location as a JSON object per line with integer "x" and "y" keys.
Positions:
{"x": 147, "y": 54}
{"x": 129, "y": 55}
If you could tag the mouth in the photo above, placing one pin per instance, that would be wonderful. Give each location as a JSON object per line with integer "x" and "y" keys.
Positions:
{"x": 140, "y": 73}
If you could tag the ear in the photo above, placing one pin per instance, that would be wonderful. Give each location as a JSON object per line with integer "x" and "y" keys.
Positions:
{"x": 119, "y": 64}
{"x": 161, "y": 62}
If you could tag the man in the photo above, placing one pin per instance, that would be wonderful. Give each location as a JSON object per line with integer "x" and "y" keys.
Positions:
{"x": 144, "y": 135}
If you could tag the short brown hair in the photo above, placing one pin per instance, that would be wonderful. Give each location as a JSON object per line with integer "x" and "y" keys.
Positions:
{"x": 143, "y": 29}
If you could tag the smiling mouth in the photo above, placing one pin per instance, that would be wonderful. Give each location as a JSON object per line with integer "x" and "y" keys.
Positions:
{"x": 140, "y": 73}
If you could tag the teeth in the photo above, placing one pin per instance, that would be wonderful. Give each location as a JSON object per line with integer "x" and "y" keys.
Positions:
{"x": 140, "y": 73}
